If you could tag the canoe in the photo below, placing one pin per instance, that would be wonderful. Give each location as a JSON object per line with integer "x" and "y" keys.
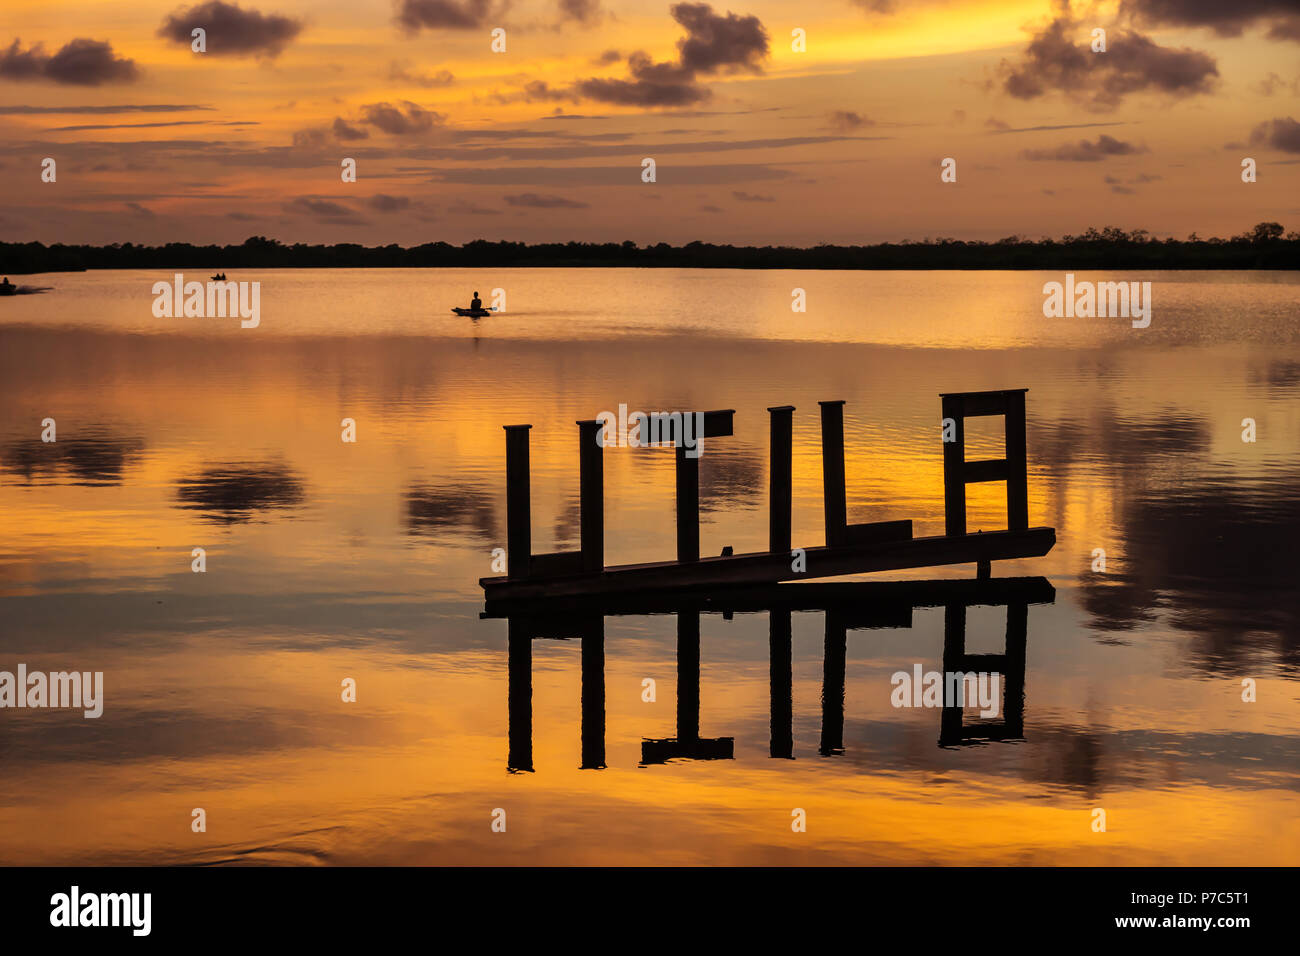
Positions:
{"x": 473, "y": 313}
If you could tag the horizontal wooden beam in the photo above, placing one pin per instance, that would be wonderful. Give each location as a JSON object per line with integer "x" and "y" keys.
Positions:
{"x": 859, "y": 603}
{"x": 993, "y": 469}
{"x": 981, "y": 404}
{"x": 878, "y": 531}
{"x": 557, "y": 563}
{"x": 769, "y": 568}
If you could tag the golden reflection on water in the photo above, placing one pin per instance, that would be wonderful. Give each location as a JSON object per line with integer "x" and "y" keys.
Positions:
{"x": 328, "y": 560}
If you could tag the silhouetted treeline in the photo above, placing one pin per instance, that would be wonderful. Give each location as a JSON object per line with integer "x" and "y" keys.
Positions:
{"x": 1264, "y": 247}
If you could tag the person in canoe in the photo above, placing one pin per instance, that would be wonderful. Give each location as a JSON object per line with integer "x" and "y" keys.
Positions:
{"x": 7, "y": 287}
{"x": 475, "y": 309}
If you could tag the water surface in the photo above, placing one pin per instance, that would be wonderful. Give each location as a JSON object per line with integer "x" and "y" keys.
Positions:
{"x": 328, "y": 560}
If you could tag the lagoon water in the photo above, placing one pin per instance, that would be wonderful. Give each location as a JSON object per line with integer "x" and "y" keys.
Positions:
{"x": 328, "y": 560}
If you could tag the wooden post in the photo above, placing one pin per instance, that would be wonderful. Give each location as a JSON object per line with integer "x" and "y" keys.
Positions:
{"x": 954, "y": 653}
{"x": 1013, "y": 700}
{"x": 779, "y": 650}
{"x": 591, "y": 467}
{"x": 1017, "y": 466}
{"x": 688, "y": 676}
{"x": 688, "y": 506}
{"x": 520, "y": 695}
{"x": 519, "y": 521}
{"x": 780, "y": 477}
{"x": 833, "y": 493}
{"x": 593, "y": 694}
{"x": 833, "y": 666}
{"x": 954, "y": 458}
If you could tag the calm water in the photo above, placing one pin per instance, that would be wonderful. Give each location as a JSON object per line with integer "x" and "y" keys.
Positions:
{"x": 328, "y": 560}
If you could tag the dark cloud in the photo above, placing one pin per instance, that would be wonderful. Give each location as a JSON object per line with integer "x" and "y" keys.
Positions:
{"x": 385, "y": 203}
{"x": 413, "y": 15}
{"x": 88, "y": 126}
{"x": 464, "y": 509}
{"x": 713, "y": 45}
{"x": 1227, "y": 19}
{"x": 586, "y": 176}
{"x": 1282, "y": 133}
{"x": 323, "y": 210}
{"x": 235, "y": 492}
{"x": 310, "y": 139}
{"x": 848, "y": 120}
{"x": 585, "y": 12}
{"x": 719, "y": 43}
{"x": 403, "y": 119}
{"x": 398, "y": 73}
{"x": 346, "y": 132}
{"x": 1084, "y": 151}
{"x": 1132, "y": 63}
{"x": 743, "y": 196}
{"x": 80, "y": 62}
{"x": 536, "y": 91}
{"x": 463, "y": 207}
{"x": 140, "y": 211}
{"x": 120, "y": 108}
{"x": 232, "y": 30}
{"x": 97, "y": 457}
{"x": 998, "y": 127}
{"x": 535, "y": 201}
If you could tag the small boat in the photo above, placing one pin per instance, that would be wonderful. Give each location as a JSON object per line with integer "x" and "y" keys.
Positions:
{"x": 473, "y": 313}
{"x": 24, "y": 289}
{"x": 219, "y": 277}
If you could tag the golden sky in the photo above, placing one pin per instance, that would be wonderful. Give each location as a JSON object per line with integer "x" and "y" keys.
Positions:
{"x": 754, "y": 141}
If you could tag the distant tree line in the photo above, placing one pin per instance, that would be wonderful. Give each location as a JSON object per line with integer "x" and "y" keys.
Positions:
{"x": 1264, "y": 247}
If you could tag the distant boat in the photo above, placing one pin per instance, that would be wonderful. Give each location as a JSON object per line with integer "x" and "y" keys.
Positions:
{"x": 219, "y": 277}
{"x": 24, "y": 289}
{"x": 473, "y": 313}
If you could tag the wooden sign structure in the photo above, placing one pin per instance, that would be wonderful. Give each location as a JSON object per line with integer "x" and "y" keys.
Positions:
{"x": 849, "y": 548}
{"x": 848, "y": 606}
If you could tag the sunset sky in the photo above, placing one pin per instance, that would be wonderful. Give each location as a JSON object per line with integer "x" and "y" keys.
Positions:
{"x": 754, "y": 142}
